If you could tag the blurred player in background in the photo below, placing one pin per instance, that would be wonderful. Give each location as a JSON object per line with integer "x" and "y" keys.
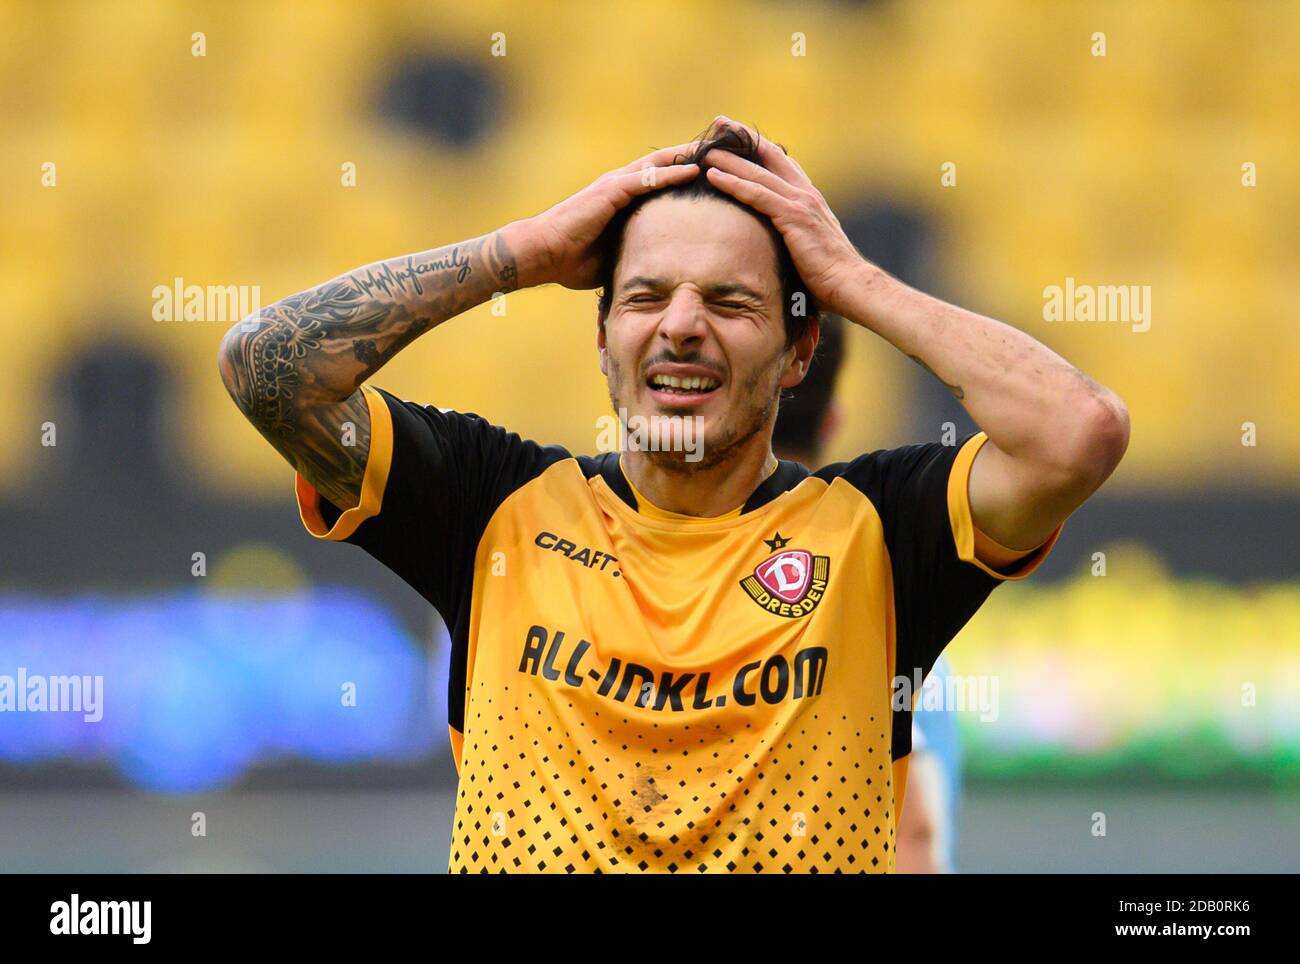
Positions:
{"x": 927, "y": 826}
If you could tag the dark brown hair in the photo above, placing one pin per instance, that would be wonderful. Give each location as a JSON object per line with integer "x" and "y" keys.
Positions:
{"x": 738, "y": 142}
{"x": 799, "y": 420}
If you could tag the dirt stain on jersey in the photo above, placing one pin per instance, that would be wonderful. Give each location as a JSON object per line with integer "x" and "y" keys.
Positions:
{"x": 644, "y": 800}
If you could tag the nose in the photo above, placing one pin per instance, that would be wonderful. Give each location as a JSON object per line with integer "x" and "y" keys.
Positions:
{"x": 683, "y": 324}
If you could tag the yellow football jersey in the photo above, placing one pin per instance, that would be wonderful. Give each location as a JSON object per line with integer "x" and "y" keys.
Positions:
{"x": 633, "y": 691}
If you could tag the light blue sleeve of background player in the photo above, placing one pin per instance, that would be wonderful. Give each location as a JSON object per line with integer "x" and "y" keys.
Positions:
{"x": 943, "y": 738}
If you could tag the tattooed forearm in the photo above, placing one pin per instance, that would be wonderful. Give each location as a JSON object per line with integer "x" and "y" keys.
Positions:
{"x": 329, "y": 448}
{"x": 295, "y": 368}
{"x": 955, "y": 389}
{"x": 501, "y": 264}
{"x": 290, "y": 357}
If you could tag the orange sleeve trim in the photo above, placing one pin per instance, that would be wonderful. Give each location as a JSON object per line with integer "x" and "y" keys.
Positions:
{"x": 457, "y": 744}
{"x": 378, "y": 461}
{"x": 974, "y": 546}
{"x": 900, "y": 789}
{"x": 989, "y": 550}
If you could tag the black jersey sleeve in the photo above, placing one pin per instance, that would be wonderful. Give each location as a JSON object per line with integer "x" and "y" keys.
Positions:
{"x": 921, "y": 493}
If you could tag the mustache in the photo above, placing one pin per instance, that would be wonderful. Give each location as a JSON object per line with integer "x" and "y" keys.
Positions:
{"x": 691, "y": 358}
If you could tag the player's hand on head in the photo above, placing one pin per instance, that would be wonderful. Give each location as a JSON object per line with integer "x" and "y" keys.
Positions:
{"x": 564, "y": 236}
{"x": 822, "y": 253}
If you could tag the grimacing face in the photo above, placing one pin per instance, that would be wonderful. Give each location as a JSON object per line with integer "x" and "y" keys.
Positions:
{"x": 696, "y": 326}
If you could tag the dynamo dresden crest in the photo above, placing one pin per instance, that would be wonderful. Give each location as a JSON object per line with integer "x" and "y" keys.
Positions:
{"x": 789, "y": 583}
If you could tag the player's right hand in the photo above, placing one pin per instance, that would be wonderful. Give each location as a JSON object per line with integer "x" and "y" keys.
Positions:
{"x": 562, "y": 238}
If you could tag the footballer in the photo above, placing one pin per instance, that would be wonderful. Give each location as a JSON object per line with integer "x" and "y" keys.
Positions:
{"x": 660, "y": 664}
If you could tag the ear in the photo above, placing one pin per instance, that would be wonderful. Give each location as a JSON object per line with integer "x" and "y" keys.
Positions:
{"x": 600, "y": 345}
{"x": 800, "y": 355}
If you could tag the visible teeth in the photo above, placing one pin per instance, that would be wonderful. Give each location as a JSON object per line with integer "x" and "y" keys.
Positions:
{"x": 693, "y": 383}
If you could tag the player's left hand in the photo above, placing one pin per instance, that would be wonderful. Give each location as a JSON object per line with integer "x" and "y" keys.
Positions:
{"x": 822, "y": 253}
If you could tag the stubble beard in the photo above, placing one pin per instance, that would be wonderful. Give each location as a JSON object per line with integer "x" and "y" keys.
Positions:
{"x": 715, "y": 451}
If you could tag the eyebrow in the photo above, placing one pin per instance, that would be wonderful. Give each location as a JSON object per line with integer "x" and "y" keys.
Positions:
{"x": 721, "y": 289}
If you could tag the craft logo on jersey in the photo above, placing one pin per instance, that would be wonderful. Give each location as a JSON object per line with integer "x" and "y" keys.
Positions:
{"x": 789, "y": 583}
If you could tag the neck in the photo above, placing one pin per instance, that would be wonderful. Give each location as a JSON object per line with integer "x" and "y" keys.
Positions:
{"x": 703, "y": 491}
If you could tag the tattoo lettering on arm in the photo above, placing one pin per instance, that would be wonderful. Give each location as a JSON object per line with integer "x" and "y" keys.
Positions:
{"x": 955, "y": 389}
{"x": 296, "y": 369}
